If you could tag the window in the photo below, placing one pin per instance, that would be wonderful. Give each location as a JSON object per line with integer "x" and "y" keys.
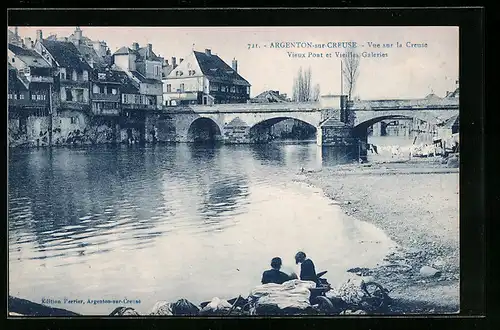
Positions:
{"x": 102, "y": 90}
{"x": 21, "y": 96}
{"x": 151, "y": 102}
{"x": 33, "y": 97}
{"x": 182, "y": 88}
{"x": 85, "y": 75}
{"x": 233, "y": 89}
{"x": 125, "y": 98}
{"x": 169, "y": 88}
{"x": 13, "y": 60}
{"x": 74, "y": 120}
{"x": 114, "y": 91}
{"x": 69, "y": 96}
{"x": 75, "y": 76}
{"x": 79, "y": 95}
{"x": 63, "y": 75}
{"x": 95, "y": 89}
{"x": 101, "y": 75}
{"x": 10, "y": 96}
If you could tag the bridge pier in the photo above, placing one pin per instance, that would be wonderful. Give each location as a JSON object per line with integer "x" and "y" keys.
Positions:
{"x": 377, "y": 129}
{"x": 236, "y": 133}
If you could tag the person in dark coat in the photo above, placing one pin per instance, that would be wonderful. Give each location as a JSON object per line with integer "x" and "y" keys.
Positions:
{"x": 307, "y": 269}
{"x": 274, "y": 275}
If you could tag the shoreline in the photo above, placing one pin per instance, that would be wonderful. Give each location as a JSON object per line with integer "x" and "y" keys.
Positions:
{"x": 424, "y": 227}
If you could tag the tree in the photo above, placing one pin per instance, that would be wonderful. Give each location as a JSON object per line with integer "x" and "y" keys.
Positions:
{"x": 302, "y": 86}
{"x": 350, "y": 70}
{"x": 316, "y": 93}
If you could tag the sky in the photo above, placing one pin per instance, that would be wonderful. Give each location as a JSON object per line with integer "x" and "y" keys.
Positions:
{"x": 406, "y": 72}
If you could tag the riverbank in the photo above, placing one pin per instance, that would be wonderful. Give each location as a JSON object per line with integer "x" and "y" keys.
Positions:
{"x": 416, "y": 203}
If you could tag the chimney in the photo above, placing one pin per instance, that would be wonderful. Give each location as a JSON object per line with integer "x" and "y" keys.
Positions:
{"x": 166, "y": 62}
{"x": 135, "y": 46}
{"x": 39, "y": 35}
{"x": 150, "y": 49}
{"x": 174, "y": 62}
{"x": 208, "y": 52}
{"x": 16, "y": 31}
{"x": 180, "y": 60}
{"x": 234, "y": 65}
{"x": 27, "y": 42}
{"x": 78, "y": 35}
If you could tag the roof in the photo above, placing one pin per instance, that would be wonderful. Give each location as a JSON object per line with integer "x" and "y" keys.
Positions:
{"x": 141, "y": 53}
{"x": 143, "y": 79}
{"x": 127, "y": 86}
{"x": 89, "y": 54}
{"x": 270, "y": 96}
{"x": 455, "y": 93}
{"x": 144, "y": 54}
{"x": 66, "y": 54}
{"x": 215, "y": 69}
{"x": 112, "y": 76}
{"x": 432, "y": 96}
{"x": 14, "y": 83}
{"x": 13, "y": 38}
{"x": 450, "y": 122}
{"x": 123, "y": 50}
{"x": 29, "y": 56}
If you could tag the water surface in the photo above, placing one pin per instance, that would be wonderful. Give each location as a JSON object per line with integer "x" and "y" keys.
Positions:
{"x": 172, "y": 221}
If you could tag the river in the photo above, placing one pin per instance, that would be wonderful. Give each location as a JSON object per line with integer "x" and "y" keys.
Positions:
{"x": 172, "y": 221}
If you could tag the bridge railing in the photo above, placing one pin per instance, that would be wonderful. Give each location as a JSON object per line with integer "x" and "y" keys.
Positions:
{"x": 416, "y": 104}
{"x": 245, "y": 107}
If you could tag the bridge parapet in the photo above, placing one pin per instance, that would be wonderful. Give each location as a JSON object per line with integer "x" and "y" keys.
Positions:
{"x": 415, "y": 104}
{"x": 245, "y": 107}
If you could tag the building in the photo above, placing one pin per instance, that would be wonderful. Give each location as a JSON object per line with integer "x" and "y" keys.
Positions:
{"x": 145, "y": 69}
{"x": 30, "y": 84}
{"x": 204, "y": 78}
{"x": 71, "y": 97}
{"x": 449, "y": 127}
{"x": 270, "y": 96}
{"x": 13, "y": 38}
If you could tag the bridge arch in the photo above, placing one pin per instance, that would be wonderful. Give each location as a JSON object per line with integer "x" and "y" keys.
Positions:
{"x": 262, "y": 130}
{"x": 204, "y": 130}
{"x": 362, "y": 124}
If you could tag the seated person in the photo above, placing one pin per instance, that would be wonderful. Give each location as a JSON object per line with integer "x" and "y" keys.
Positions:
{"x": 274, "y": 275}
{"x": 307, "y": 270}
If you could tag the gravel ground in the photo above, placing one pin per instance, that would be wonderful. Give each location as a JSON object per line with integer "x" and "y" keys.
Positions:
{"x": 416, "y": 203}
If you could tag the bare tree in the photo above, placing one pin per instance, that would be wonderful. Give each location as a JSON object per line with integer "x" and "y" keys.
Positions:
{"x": 350, "y": 70}
{"x": 302, "y": 86}
{"x": 316, "y": 93}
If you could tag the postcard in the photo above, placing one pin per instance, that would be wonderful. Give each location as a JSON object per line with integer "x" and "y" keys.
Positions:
{"x": 236, "y": 171}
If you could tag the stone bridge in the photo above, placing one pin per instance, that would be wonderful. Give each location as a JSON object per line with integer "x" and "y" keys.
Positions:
{"x": 432, "y": 111}
{"x": 238, "y": 123}
{"x": 251, "y": 123}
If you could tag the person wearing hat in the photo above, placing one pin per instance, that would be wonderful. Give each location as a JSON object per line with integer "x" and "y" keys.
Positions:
{"x": 307, "y": 269}
{"x": 274, "y": 275}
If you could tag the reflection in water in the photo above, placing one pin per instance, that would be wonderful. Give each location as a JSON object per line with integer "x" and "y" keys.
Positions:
{"x": 338, "y": 155}
{"x": 268, "y": 153}
{"x": 144, "y": 220}
{"x": 223, "y": 196}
